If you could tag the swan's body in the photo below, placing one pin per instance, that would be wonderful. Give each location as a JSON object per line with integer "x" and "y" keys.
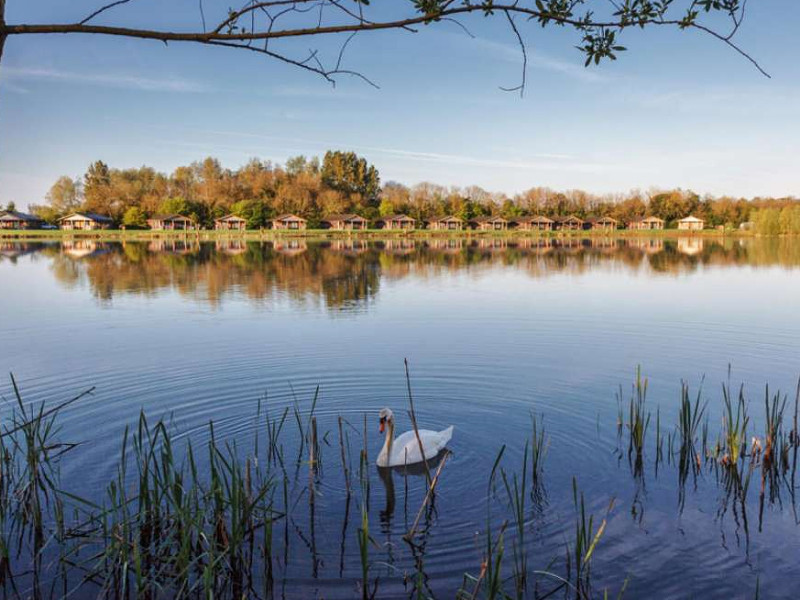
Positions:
{"x": 404, "y": 450}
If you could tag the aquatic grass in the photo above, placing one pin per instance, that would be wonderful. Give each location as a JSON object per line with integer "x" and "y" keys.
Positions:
{"x": 586, "y": 541}
{"x": 516, "y": 491}
{"x": 539, "y": 448}
{"x": 735, "y": 425}
{"x": 638, "y": 420}
{"x": 177, "y": 529}
{"x": 690, "y": 416}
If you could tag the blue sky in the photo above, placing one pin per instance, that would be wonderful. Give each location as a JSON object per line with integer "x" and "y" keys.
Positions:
{"x": 677, "y": 109}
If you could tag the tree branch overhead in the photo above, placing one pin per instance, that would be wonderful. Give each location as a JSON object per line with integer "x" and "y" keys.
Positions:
{"x": 256, "y": 24}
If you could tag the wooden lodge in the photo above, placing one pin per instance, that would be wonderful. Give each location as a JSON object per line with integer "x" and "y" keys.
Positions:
{"x": 601, "y": 224}
{"x": 85, "y": 221}
{"x": 397, "y": 222}
{"x": 12, "y": 219}
{"x": 537, "y": 223}
{"x": 489, "y": 223}
{"x": 230, "y": 223}
{"x": 170, "y": 223}
{"x": 647, "y": 223}
{"x": 289, "y": 222}
{"x": 691, "y": 223}
{"x": 571, "y": 223}
{"x": 345, "y": 222}
{"x": 448, "y": 223}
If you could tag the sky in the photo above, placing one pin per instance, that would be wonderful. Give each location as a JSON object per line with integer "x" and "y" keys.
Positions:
{"x": 678, "y": 109}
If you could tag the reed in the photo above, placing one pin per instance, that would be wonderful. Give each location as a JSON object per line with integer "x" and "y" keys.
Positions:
{"x": 516, "y": 491}
{"x": 638, "y": 418}
{"x": 735, "y": 425}
{"x": 690, "y": 416}
{"x": 539, "y": 447}
{"x": 586, "y": 541}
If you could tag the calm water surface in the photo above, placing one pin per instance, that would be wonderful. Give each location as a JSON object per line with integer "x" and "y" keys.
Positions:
{"x": 494, "y": 330}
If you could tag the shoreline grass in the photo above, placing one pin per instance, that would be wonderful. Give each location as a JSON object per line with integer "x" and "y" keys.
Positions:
{"x": 377, "y": 234}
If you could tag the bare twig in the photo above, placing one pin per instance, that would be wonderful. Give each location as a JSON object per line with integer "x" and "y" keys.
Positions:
{"x": 103, "y": 9}
{"x": 410, "y": 535}
{"x": 413, "y": 416}
{"x": 521, "y": 86}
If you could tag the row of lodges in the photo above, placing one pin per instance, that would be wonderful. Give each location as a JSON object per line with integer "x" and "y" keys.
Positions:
{"x": 87, "y": 221}
{"x": 352, "y": 222}
{"x": 401, "y": 222}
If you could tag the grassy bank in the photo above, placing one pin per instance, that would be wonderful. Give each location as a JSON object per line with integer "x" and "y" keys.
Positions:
{"x": 327, "y": 234}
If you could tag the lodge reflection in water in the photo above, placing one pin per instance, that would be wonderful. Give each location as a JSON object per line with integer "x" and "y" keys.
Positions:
{"x": 346, "y": 274}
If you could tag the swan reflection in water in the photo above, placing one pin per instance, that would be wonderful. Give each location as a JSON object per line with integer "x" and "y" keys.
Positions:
{"x": 415, "y": 472}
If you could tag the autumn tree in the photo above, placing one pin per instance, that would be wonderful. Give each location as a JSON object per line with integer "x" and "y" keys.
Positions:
{"x": 97, "y": 190}
{"x": 65, "y": 195}
{"x": 350, "y": 174}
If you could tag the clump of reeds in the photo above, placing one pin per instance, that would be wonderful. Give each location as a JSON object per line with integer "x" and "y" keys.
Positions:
{"x": 735, "y": 424}
{"x": 516, "y": 491}
{"x": 585, "y": 543}
{"x": 30, "y": 499}
{"x": 538, "y": 454}
{"x": 638, "y": 420}
{"x": 177, "y": 528}
{"x": 690, "y": 416}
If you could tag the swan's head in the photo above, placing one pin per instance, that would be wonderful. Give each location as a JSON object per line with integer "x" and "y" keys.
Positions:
{"x": 386, "y": 416}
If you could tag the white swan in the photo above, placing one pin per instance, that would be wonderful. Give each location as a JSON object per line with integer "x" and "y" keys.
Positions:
{"x": 405, "y": 449}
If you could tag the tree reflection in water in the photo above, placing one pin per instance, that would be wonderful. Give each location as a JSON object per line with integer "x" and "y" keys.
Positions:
{"x": 346, "y": 274}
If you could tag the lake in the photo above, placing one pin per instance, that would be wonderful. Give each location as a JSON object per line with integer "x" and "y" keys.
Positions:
{"x": 496, "y": 331}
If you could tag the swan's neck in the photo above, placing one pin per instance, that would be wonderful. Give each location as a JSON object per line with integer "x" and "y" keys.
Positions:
{"x": 386, "y": 452}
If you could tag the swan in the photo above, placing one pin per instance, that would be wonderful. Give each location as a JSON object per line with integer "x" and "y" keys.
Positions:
{"x": 405, "y": 449}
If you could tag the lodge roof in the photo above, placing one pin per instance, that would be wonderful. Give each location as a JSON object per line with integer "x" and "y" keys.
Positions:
{"x": 172, "y": 217}
{"x": 444, "y": 219}
{"x": 13, "y": 215}
{"x": 288, "y": 217}
{"x": 398, "y": 217}
{"x": 690, "y": 219}
{"x": 230, "y": 217}
{"x": 533, "y": 219}
{"x": 600, "y": 219}
{"x": 488, "y": 219}
{"x": 650, "y": 219}
{"x": 344, "y": 217}
{"x": 89, "y": 215}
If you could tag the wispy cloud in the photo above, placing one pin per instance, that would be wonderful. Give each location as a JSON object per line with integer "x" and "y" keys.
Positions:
{"x": 528, "y": 162}
{"x": 322, "y": 90}
{"x": 539, "y": 60}
{"x": 115, "y": 80}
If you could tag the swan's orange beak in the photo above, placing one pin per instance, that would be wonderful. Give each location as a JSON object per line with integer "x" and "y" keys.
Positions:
{"x": 383, "y": 425}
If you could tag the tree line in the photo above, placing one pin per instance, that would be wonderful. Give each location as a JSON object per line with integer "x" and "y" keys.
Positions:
{"x": 343, "y": 182}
